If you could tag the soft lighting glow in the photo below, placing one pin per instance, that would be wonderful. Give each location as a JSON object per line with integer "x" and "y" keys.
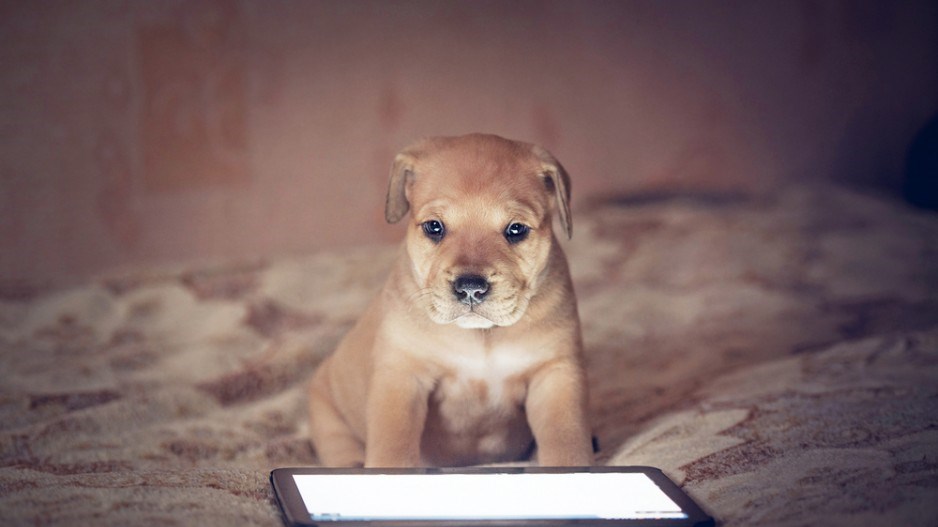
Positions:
{"x": 484, "y": 496}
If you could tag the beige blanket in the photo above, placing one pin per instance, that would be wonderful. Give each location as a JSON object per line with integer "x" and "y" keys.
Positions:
{"x": 778, "y": 357}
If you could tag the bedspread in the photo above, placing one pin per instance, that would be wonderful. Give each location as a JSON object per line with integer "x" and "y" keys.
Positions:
{"x": 777, "y": 356}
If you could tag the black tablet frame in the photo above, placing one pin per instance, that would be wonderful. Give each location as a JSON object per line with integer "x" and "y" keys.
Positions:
{"x": 295, "y": 512}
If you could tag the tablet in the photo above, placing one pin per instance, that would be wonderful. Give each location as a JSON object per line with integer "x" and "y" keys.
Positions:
{"x": 489, "y": 496}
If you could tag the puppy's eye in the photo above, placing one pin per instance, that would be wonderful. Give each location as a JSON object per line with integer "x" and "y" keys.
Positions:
{"x": 516, "y": 232}
{"x": 434, "y": 230}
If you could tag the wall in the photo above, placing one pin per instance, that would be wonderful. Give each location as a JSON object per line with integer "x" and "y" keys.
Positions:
{"x": 153, "y": 132}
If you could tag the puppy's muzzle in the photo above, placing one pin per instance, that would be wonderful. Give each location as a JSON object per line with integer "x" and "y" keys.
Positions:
{"x": 470, "y": 289}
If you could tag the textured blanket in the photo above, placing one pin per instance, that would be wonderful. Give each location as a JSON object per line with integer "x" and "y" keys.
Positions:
{"x": 777, "y": 357}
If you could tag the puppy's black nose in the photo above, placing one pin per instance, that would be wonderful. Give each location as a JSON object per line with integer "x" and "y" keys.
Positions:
{"x": 470, "y": 288}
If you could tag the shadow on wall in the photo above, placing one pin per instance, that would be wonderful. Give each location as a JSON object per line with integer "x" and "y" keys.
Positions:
{"x": 921, "y": 173}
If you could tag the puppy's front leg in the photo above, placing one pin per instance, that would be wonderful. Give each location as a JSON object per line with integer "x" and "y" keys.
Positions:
{"x": 556, "y": 407}
{"x": 396, "y": 413}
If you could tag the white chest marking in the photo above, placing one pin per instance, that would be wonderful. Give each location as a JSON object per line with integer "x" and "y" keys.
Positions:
{"x": 493, "y": 369}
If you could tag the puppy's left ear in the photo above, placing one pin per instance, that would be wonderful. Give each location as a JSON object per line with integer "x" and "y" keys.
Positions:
{"x": 558, "y": 184}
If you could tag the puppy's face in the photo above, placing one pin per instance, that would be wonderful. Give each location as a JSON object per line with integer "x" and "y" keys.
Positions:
{"x": 480, "y": 236}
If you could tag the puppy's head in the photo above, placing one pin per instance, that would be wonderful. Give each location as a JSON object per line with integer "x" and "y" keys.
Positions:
{"x": 480, "y": 238}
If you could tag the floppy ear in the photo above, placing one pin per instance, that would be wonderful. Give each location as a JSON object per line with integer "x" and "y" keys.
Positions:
{"x": 558, "y": 183}
{"x": 402, "y": 173}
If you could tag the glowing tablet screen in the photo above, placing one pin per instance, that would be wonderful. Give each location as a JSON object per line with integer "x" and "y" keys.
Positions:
{"x": 533, "y": 496}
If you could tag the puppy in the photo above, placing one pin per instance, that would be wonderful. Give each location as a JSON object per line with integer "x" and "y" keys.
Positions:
{"x": 471, "y": 353}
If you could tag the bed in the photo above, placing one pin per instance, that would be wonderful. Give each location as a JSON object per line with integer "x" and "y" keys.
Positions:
{"x": 776, "y": 355}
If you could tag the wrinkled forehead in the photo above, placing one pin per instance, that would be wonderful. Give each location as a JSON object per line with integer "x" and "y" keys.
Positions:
{"x": 503, "y": 174}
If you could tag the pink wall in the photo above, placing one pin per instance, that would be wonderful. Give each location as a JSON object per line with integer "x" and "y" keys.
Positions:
{"x": 153, "y": 132}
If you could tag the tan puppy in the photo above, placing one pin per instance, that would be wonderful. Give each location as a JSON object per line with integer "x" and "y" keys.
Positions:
{"x": 471, "y": 353}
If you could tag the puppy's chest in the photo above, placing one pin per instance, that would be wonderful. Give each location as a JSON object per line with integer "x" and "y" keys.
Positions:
{"x": 482, "y": 387}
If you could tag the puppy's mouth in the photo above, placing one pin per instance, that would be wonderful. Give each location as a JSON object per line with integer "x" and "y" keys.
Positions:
{"x": 473, "y": 321}
{"x": 488, "y": 314}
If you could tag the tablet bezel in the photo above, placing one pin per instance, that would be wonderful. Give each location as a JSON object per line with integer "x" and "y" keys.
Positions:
{"x": 296, "y": 514}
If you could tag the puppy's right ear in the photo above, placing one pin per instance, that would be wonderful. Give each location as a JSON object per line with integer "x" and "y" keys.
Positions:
{"x": 402, "y": 175}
